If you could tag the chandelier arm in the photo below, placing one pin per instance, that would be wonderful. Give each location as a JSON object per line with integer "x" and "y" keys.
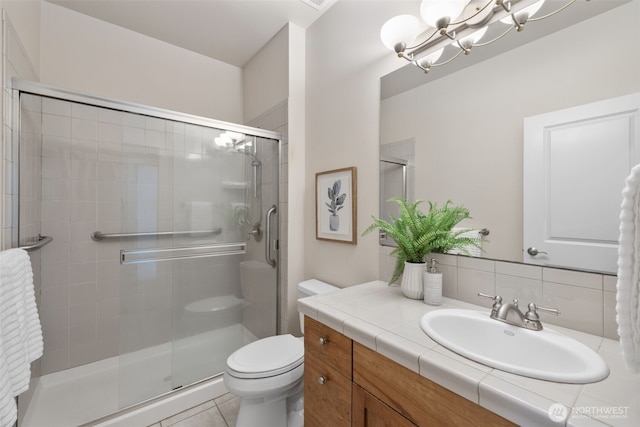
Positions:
{"x": 448, "y": 60}
{"x": 489, "y": 3}
{"x": 497, "y": 38}
{"x": 540, "y": 18}
{"x": 423, "y": 42}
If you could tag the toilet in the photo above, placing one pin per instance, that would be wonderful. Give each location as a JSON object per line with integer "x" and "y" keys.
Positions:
{"x": 267, "y": 374}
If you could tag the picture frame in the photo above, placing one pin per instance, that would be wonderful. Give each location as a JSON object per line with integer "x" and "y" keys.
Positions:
{"x": 336, "y": 205}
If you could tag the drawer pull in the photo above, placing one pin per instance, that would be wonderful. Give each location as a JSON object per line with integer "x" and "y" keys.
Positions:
{"x": 322, "y": 380}
{"x": 323, "y": 341}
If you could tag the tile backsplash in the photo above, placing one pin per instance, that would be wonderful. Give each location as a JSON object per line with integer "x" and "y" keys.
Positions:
{"x": 587, "y": 301}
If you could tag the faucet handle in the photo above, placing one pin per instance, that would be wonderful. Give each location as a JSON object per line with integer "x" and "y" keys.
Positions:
{"x": 497, "y": 299}
{"x": 532, "y": 314}
{"x": 497, "y": 302}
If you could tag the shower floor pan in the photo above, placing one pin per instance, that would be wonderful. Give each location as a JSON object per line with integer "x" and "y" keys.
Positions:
{"x": 90, "y": 392}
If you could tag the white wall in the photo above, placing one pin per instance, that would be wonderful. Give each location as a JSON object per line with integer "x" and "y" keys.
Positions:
{"x": 91, "y": 56}
{"x": 469, "y": 143}
{"x": 25, "y": 17}
{"x": 266, "y": 76}
{"x": 294, "y": 190}
{"x": 345, "y": 60}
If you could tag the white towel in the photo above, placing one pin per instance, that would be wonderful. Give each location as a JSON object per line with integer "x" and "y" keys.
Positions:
{"x": 472, "y": 250}
{"x": 20, "y": 331}
{"x": 628, "y": 295}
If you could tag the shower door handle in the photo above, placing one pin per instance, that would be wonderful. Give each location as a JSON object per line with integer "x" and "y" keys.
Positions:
{"x": 267, "y": 243}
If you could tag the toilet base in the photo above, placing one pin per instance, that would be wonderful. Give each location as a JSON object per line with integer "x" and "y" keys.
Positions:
{"x": 282, "y": 411}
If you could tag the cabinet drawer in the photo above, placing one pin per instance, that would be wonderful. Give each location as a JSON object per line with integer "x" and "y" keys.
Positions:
{"x": 328, "y": 345}
{"x": 327, "y": 395}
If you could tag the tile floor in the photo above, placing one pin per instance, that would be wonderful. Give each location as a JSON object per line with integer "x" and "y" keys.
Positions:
{"x": 220, "y": 412}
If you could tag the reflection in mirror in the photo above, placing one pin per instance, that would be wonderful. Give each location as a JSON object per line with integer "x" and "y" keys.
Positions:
{"x": 467, "y": 123}
{"x": 396, "y": 180}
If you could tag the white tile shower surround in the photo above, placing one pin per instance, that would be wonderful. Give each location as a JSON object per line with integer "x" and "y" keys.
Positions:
{"x": 586, "y": 300}
{"x": 379, "y": 317}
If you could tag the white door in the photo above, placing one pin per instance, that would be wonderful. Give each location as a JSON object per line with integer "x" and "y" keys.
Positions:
{"x": 575, "y": 164}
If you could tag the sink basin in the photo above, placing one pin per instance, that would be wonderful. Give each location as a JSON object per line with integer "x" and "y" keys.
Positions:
{"x": 546, "y": 354}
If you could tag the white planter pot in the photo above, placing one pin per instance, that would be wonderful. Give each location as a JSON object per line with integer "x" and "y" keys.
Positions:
{"x": 412, "y": 284}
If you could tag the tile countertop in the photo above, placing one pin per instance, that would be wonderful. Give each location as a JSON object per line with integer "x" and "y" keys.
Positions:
{"x": 381, "y": 318}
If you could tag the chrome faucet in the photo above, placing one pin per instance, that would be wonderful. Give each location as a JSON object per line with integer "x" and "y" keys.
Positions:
{"x": 510, "y": 313}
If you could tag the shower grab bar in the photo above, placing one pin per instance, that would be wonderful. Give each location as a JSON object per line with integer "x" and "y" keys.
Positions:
{"x": 98, "y": 235}
{"x": 267, "y": 243}
{"x": 222, "y": 249}
{"x": 42, "y": 241}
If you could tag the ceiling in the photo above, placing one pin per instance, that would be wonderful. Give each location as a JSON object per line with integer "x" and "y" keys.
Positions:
{"x": 232, "y": 31}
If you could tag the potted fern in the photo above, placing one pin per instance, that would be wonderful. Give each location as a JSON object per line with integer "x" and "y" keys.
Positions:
{"x": 418, "y": 234}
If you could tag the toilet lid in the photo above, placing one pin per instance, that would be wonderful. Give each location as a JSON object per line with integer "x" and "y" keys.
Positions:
{"x": 267, "y": 357}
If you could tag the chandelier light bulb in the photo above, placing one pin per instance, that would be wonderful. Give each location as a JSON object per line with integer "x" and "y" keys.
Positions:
{"x": 471, "y": 39}
{"x": 524, "y": 14}
{"x": 439, "y": 13}
{"x": 399, "y": 32}
{"x": 428, "y": 60}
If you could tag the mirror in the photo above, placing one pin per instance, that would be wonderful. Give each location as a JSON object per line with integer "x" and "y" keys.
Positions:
{"x": 466, "y": 117}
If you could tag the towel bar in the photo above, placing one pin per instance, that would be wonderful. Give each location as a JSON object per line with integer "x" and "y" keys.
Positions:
{"x": 137, "y": 256}
{"x": 42, "y": 241}
{"x": 98, "y": 235}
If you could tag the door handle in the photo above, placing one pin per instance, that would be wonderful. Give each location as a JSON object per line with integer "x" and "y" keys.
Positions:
{"x": 267, "y": 243}
{"x": 533, "y": 251}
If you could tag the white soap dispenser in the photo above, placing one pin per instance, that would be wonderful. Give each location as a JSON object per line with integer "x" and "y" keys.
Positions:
{"x": 433, "y": 285}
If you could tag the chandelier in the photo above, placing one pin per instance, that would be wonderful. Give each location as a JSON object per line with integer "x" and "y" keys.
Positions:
{"x": 458, "y": 23}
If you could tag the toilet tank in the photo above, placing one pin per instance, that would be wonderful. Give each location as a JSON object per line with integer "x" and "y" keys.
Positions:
{"x": 312, "y": 287}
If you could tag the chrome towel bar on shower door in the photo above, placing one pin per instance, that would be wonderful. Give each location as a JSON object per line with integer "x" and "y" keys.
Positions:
{"x": 42, "y": 241}
{"x": 137, "y": 256}
{"x": 98, "y": 235}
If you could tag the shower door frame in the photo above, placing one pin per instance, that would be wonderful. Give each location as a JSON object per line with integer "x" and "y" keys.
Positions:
{"x": 19, "y": 86}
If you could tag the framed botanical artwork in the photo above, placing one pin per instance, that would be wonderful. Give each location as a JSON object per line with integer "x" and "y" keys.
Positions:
{"x": 336, "y": 205}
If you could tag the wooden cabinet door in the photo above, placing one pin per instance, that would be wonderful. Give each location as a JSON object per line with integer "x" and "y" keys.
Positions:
{"x": 421, "y": 400}
{"x": 369, "y": 411}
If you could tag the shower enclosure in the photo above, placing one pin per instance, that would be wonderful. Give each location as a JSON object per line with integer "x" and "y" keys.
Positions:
{"x": 164, "y": 253}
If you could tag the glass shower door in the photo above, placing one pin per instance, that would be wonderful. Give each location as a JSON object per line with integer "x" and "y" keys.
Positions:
{"x": 194, "y": 212}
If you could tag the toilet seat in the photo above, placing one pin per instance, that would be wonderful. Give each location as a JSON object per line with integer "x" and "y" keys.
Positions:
{"x": 266, "y": 357}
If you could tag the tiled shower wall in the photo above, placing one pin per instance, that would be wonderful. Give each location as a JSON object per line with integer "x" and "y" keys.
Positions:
{"x": 15, "y": 63}
{"x": 586, "y": 300}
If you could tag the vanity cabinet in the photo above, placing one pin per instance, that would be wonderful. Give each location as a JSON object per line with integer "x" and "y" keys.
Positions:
{"x": 346, "y": 383}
